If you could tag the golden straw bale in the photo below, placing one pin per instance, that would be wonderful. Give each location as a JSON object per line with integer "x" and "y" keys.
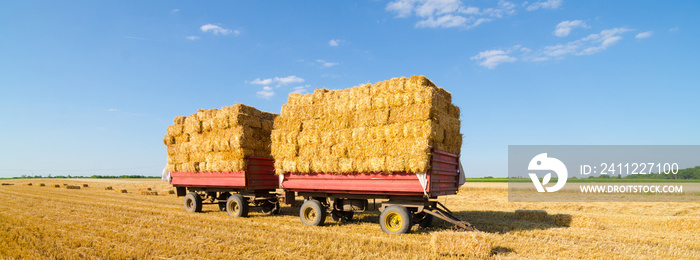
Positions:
{"x": 175, "y": 130}
{"x": 179, "y": 120}
{"x": 531, "y": 215}
{"x": 42, "y": 184}
{"x": 120, "y": 191}
{"x": 7, "y": 184}
{"x": 149, "y": 193}
{"x": 193, "y": 124}
{"x": 144, "y": 189}
{"x": 27, "y": 184}
{"x": 85, "y": 185}
{"x": 56, "y": 186}
{"x": 166, "y": 192}
{"x": 73, "y": 187}
{"x": 108, "y": 188}
{"x": 461, "y": 244}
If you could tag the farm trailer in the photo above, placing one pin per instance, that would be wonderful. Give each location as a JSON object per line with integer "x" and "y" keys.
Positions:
{"x": 411, "y": 198}
{"x": 234, "y": 192}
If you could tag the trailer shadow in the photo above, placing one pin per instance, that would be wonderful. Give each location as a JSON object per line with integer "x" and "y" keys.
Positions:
{"x": 485, "y": 221}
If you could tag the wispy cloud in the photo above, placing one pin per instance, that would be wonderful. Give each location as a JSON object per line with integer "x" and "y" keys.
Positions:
{"x": 326, "y": 64}
{"x": 548, "y": 4}
{"x": 589, "y": 45}
{"x": 492, "y": 58}
{"x": 175, "y": 10}
{"x": 564, "y": 28}
{"x": 215, "y": 29}
{"x": 281, "y": 81}
{"x": 301, "y": 89}
{"x": 266, "y": 92}
{"x": 674, "y": 29}
{"x": 448, "y": 13}
{"x": 644, "y": 35}
{"x": 112, "y": 110}
{"x": 192, "y": 38}
{"x": 334, "y": 42}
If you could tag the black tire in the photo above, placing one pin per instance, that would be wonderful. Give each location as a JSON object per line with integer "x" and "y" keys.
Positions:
{"x": 342, "y": 216}
{"x": 237, "y": 206}
{"x": 270, "y": 208}
{"x": 193, "y": 202}
{"x": 395, "y": 220}
{"x": 426, "y": 221}
{"x": 312, "y": 213}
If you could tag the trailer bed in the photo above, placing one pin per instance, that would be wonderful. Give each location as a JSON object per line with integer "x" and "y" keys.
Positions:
{"x": 260, "y": 175}
{"x": 442, "y": 179}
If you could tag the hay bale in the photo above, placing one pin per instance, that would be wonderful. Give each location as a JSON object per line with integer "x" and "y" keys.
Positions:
{"x": 65, "y": 184}
{"x": 218, "y": 140}
{"x": 144, "y": 189}
{"x": 73, "y": 187}
{"x": 149, "y": 193}
{"x": 531, "y": 215}
{"x": 461, "y": 244}
{"x": 120, "y": 191}
{"x": 42, "y": 185}
{"x": 7, "y": 184}
{"x": 108, "y": 188}
{"x": 386, "y": 127}
{"x": 562, "y": 220}
{"x": 85, "y": 185}
{"x": 27, "y": 184}
{"x": 166, "y": 192}
{"x": 56, "y": 186}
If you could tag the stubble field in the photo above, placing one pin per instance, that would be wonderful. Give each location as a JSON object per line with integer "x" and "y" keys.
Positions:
{"x": 94, "y": 223}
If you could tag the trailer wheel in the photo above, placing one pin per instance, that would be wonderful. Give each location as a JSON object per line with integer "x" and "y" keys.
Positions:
{"x": 222, "y": 205}
{"x": 237, "y": 206}
{"x": 344, "y": 216}
{"x": 425, "y": 220}
{"x": 193, "y": 202}
{"x": 312, "y": 213}
{"x": 270, "y": 207}
{"x": 395, "y": 220}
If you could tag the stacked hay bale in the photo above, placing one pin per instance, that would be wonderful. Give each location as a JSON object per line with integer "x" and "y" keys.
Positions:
{"x": 386, "y": 127}
{"x": 218, "y": 140}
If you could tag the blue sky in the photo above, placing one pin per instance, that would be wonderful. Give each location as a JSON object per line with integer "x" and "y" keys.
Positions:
{"x": 89, "y": 87}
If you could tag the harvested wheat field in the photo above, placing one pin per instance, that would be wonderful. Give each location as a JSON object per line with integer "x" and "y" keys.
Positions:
{"x": 37, "y": 222}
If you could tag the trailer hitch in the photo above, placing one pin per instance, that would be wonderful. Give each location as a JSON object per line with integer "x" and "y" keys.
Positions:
{"x": 440, "y": 211}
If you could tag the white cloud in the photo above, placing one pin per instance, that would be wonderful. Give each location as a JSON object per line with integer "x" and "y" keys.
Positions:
{"x": 192, "y": 38}
{"x": 326, "y": 64}
{"x": 548, "y": 4}
{"x": 259, "y": 81}
{"x": 301, "y": 89}
{"x": 588, "y": 45}
{"x": 112, "y": 109}
{"x": 448, "y": 13}
{"x": 266, "y": 93}
{"x": 564, "y": 28}
{"x": 674, "y": 29}
{"x": 215, "y": 29}
{"x": 334, "y": 42}
{"x": 492, "y": 58}
{"x": 288, "y": 80}
{"x": 175, "y": 10}
{"x": 445, "y": 21}
{"x": 644, "y": 35}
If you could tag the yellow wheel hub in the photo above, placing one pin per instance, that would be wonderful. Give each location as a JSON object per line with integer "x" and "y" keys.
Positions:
{"x": 393, "y": 221}
{"x": 309, "y": 214}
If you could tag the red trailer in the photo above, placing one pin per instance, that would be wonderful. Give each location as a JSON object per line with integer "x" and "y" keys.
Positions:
{"x": 232, "y": 191}
{"x": 411, "y": 198}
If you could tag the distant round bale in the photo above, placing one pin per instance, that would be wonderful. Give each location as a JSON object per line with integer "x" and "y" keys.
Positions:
{"x": 108, "y": 188}
{"x": 73, "y": 187}
{"x": 42, "y": 184}
{"x": 85, "y": 185}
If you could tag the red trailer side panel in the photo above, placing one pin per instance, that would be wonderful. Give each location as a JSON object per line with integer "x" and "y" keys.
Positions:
{"x": 260, "y": 175}
{"x": 442, "y": 179}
